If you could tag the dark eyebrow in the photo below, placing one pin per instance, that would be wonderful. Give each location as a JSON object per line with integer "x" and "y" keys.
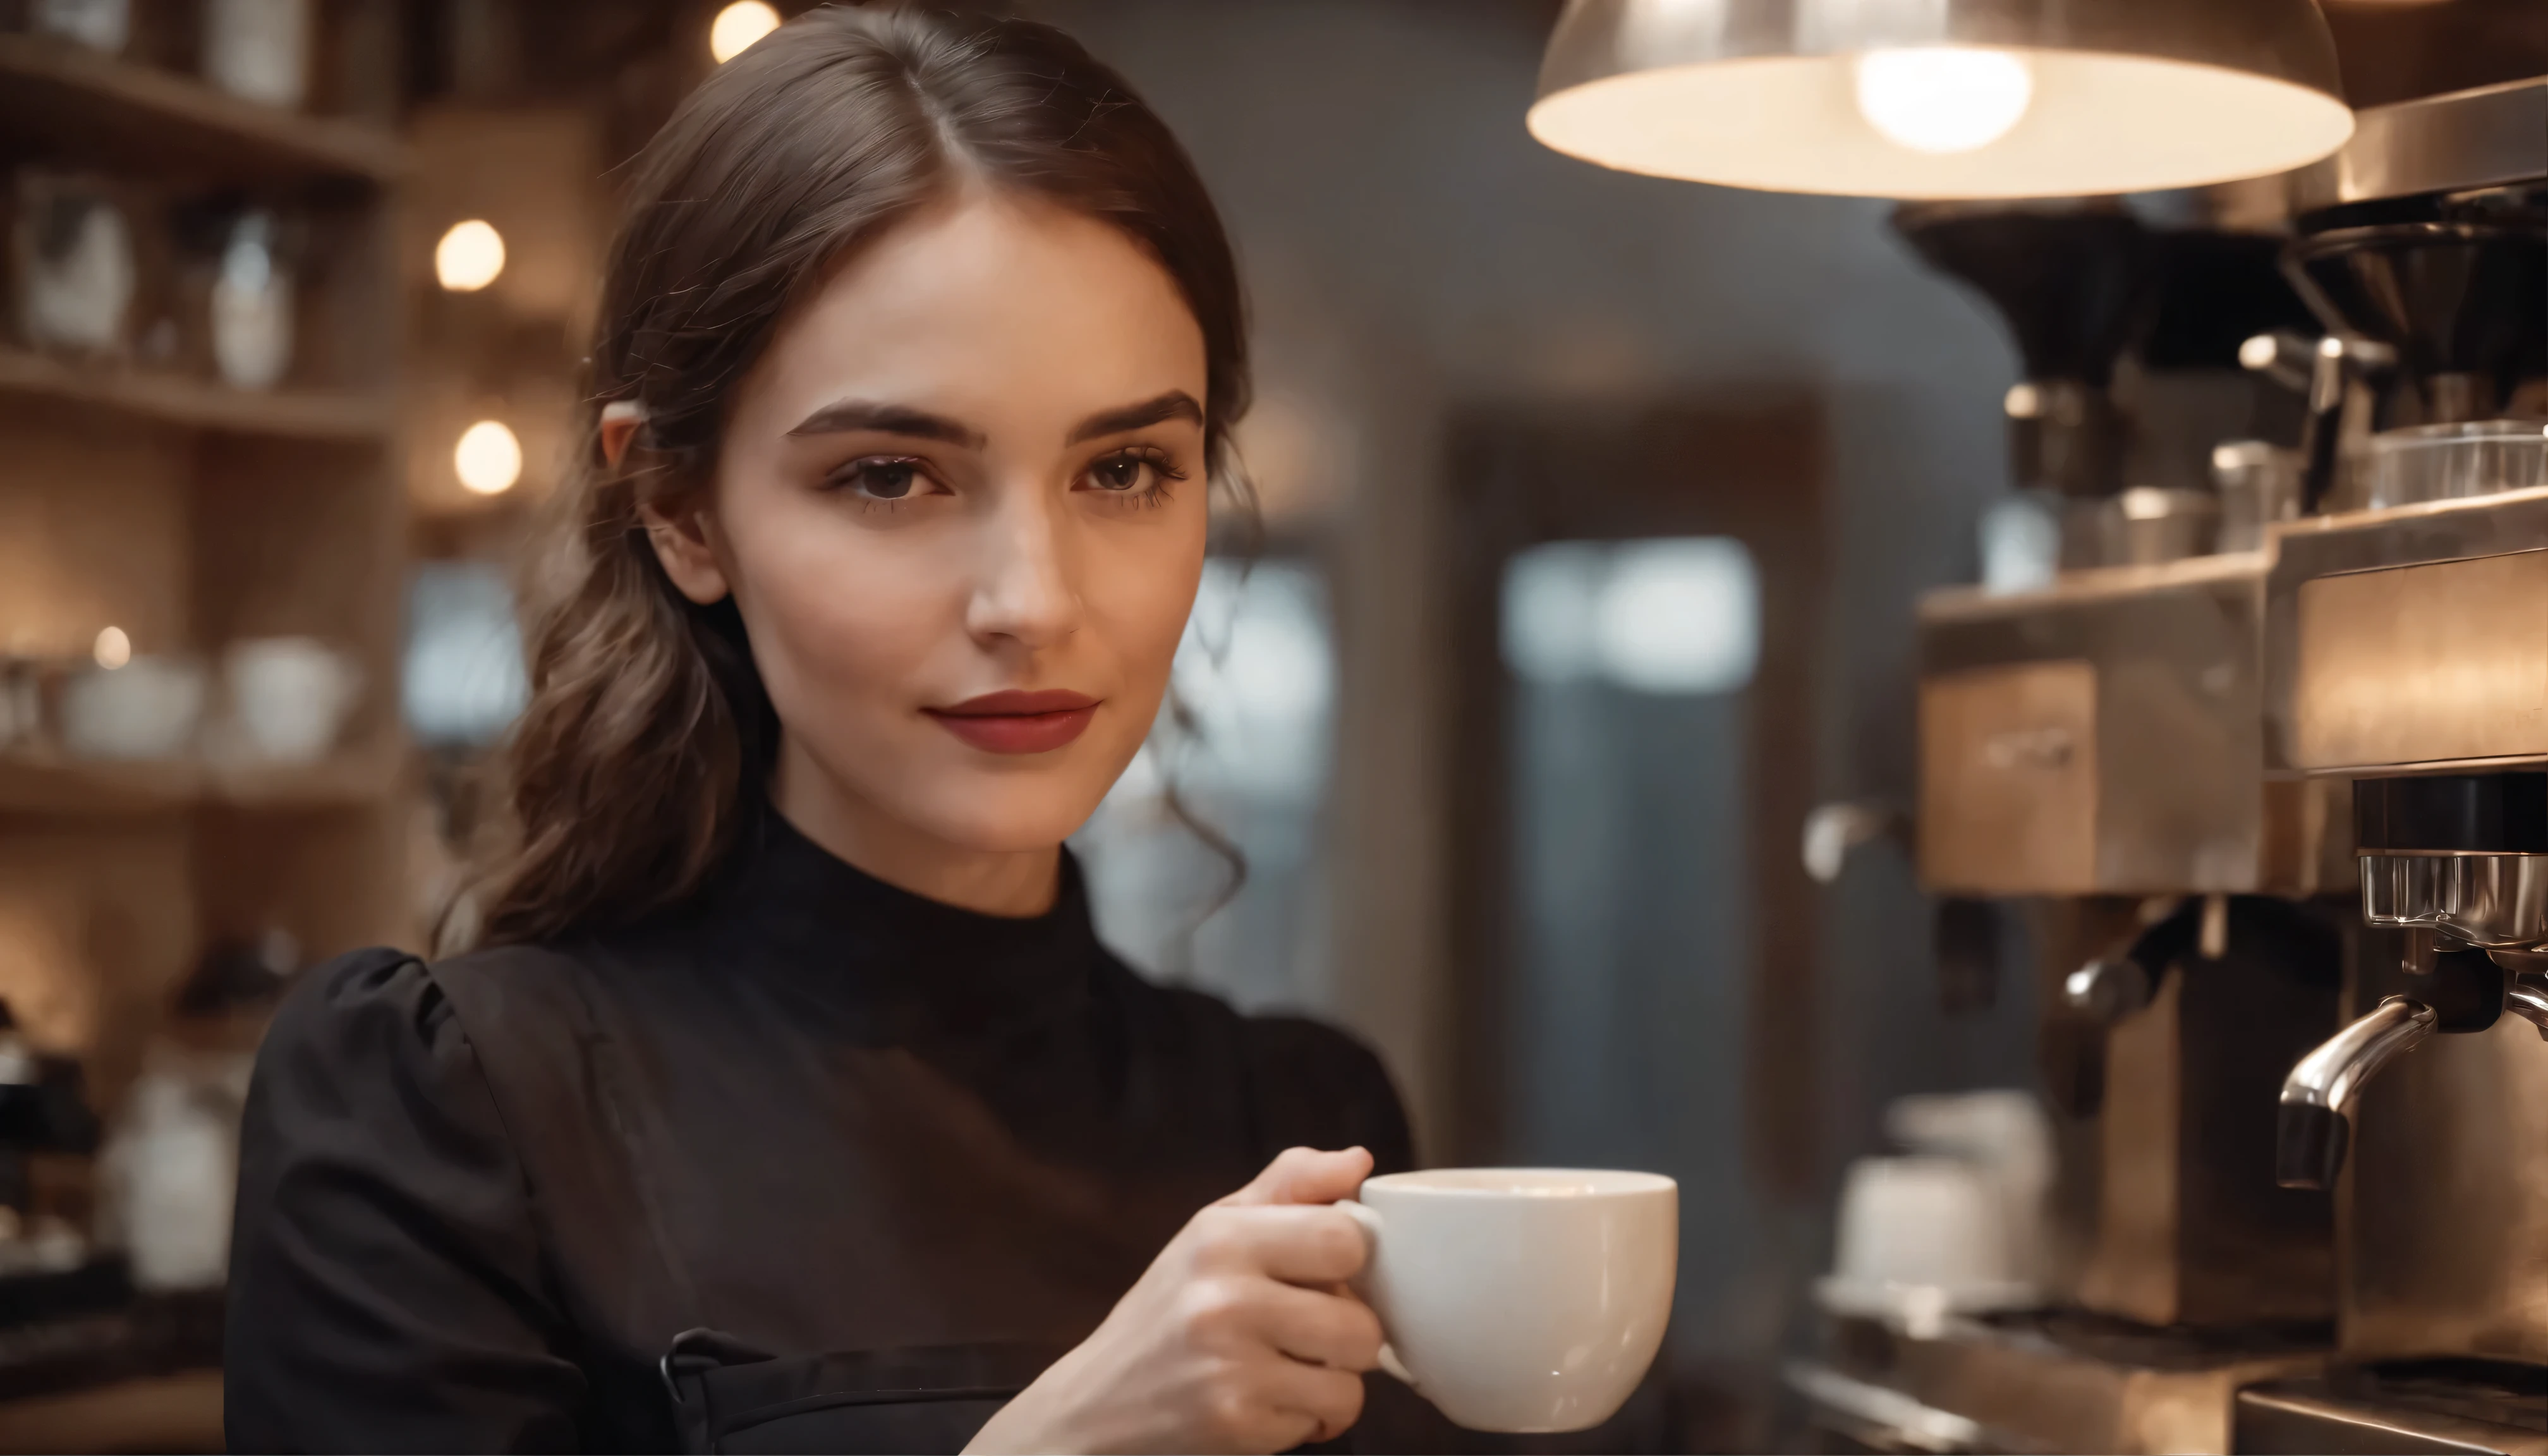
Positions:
{"x": 847, "y": 415}
{"x": 1174, "y": 404}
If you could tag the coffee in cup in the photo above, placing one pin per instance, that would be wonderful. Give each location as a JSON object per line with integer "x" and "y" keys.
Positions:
{"x": 1521, "y": 1299}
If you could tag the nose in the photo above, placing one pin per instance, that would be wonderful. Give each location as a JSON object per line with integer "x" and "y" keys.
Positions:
{"x": 1026, "y": 592}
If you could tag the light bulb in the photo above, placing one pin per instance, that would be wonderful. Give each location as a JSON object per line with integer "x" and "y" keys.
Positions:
{"x": 739, "y": 25}
{"x": 488, "y": 458}
{"x": 1940, "y": 99}
{"x": 114, "y": 649}
{"x": 469, "y": 256}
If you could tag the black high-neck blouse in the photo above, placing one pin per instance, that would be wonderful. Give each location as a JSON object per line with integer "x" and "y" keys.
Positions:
{"x": 869, "y": 1162}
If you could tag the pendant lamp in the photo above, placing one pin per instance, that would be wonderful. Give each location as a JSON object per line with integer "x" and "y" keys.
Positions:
{"x": 1943, "y": 98}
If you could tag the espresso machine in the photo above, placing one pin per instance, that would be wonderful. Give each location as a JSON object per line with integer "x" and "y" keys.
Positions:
{"x": 2407, "y": 655}
{"x": 2093, "y": 760}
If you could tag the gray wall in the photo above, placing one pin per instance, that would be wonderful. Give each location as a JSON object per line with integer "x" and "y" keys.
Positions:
{"x": 1409, "y": 246}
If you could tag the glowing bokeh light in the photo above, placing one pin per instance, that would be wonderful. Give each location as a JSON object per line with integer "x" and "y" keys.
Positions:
{"x": 738, "y": 26}
{"x": 487, "y": 458}
{"x": 114, "y": 649}
{"x": 470, "y": 256}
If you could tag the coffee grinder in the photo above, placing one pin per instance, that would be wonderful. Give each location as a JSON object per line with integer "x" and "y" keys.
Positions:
{"x": 2092, "y": 756}
{"x": 2406, "y": 653}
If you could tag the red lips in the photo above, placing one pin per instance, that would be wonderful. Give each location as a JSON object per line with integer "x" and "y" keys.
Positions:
{"x": 1018, "y": 722}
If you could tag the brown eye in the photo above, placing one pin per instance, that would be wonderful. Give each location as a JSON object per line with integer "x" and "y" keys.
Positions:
{"x": 882, "y": 480}
{"x": 1120, "y": 473}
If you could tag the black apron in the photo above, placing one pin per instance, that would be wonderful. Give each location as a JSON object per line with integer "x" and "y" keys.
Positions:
{"x": 726, "y": 1395}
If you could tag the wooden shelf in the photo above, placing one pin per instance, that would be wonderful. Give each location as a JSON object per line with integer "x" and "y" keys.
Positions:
{"x": 162, "y": 1413}
{"x": 55, "y": 786}
{"x": 71, "y": 104}
{"x": 193, "y": 404}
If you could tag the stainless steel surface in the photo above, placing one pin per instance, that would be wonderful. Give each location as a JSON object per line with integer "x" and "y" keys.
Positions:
{"x": 2335, "y": 1074}
{"x": 2042, "y": 1383}
{"x": 2489, "y": 901}
{"x": 2313, "y": 1417}
{"x": 2446, "y": 462}
{"x": 2424, "y": 662}
{"x": 2190, "y": 1228}
{"x": 2406, "y": 639}
{"x": 2008, "y": 786}
{"x": 2104, "y": 736}
{"x": 2444, "y": 1213}
{"x": 2454, "y": 142}
{"x": 1611, "y": 65}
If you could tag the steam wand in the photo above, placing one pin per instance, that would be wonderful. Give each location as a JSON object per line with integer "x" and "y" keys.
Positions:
{"x": 2527, "y": 996}
{"x": 2466, "y": 992}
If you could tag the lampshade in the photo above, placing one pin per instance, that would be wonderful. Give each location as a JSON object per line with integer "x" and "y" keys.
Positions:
{"x": 1943, "y": 98}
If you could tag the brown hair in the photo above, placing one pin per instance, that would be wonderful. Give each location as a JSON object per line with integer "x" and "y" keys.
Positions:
{"x": 649, "y": 737}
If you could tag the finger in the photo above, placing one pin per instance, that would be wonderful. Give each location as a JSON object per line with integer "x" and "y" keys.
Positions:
{"x": 1337, "y": 1332}
{"x": 1297, "y": 1244}
{"x": 1330, "y": 1398}
{"x": 1254, "y": 1427}
{"x": 1307, "y": 1175}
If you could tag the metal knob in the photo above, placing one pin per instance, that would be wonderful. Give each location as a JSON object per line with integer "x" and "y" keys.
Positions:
{"x": 1833, "y": 832}
{"x": 2123, "y": 979}
{"x": 2108, "y": 988}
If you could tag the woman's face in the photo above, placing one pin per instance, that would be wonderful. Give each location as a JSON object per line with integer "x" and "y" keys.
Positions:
{"x": 961, "y": 506}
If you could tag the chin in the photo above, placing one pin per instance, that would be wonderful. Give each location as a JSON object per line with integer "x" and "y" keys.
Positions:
{"x": 1008, "y": 813}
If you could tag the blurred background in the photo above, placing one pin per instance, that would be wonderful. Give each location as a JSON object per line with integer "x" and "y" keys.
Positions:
{"x": 1595, "y": 508}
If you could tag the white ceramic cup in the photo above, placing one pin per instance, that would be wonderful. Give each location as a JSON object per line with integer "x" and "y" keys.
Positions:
{"x": 1521, "y": 1299}
{"x": 146, "y": 708}
{"x": 289, "y": 696}
{"x": 1923, "y": 1236}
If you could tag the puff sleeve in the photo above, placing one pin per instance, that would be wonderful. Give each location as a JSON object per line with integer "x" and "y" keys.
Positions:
{"x": 387, "y": 1288}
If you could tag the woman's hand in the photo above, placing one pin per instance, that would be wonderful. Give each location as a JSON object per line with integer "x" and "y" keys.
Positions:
{"x": 1238, "y": 1338}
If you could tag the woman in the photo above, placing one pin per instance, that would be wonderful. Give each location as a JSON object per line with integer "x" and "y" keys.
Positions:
{"x": 789, "y": 1101}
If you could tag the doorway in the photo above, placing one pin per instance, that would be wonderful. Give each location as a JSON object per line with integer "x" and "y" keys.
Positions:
{"x": 1638, "y": 601}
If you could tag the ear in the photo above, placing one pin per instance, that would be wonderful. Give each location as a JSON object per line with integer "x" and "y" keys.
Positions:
{"x": 683, "y": 541}
{"x": 619, "y": 421}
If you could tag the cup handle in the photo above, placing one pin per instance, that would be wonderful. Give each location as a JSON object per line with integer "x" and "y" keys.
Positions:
{"x": 1361, "y": 1213}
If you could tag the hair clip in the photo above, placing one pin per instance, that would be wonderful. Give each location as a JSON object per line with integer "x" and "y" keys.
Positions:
{"x": 623, "y": 412}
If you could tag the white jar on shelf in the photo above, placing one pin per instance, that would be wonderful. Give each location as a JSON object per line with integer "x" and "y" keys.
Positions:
{"x": 78, "y": 273}
{"x": 99, "y": 25}
{"x": 258, "y": 49}
{"x": 252, "y": 306}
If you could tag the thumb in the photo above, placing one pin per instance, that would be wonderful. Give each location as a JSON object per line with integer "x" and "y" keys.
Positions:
{"x": 1307, "y": 1175}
